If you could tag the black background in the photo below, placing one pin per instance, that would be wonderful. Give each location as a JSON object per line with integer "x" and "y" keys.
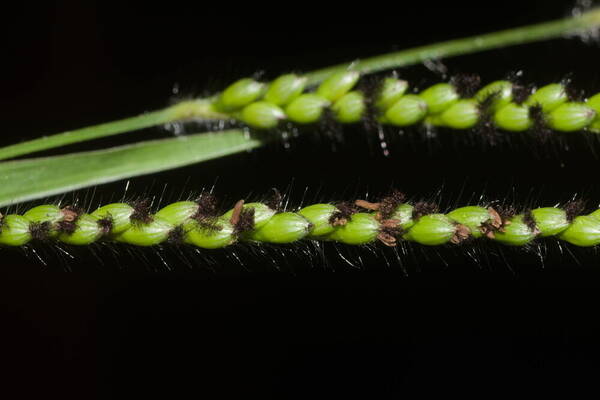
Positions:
{"x": 291, "y": 323}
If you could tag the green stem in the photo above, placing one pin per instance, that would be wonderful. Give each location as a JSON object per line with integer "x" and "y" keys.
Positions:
{"x": 203, "y": 108}
{"x": 195, "y": 109}
{"x": 474, "y": 44}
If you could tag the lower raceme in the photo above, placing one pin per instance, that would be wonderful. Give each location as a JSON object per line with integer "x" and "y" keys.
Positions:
{"x": 389, "y": 221}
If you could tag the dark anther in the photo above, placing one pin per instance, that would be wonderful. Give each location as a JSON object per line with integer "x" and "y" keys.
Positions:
{"x": 237, "y": 211}
{"x": 367, "y": 205}
{"x": 242, "y": 218}
{"x": 387, "y": 239}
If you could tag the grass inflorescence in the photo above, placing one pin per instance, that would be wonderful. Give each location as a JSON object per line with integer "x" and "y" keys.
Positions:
{"x": 582, "y": 24}
{"x": 390, "y": 221}
{"x": 462, "y": 103}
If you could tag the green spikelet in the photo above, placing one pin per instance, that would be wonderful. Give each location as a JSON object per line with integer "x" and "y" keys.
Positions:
{"x": 438, "y": 105}
{"x": 390, "y": 221}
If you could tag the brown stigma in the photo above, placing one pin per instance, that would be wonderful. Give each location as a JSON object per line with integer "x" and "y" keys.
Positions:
{"x": 343, "y": 214}
{"x": 141, "y": 212}
{"x": 389, "y": 204}
{"x": 422, "y": 208}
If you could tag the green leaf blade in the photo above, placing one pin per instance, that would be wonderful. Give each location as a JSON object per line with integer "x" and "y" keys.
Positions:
{"x": 40, "y": 177}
